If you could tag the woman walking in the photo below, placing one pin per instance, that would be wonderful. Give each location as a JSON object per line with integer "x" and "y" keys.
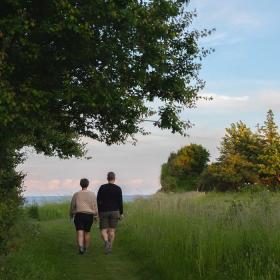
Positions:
{"x": 83, "y": 209}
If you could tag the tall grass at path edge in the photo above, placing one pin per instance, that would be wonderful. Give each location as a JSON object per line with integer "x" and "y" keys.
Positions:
{"x": 212, "y": 236}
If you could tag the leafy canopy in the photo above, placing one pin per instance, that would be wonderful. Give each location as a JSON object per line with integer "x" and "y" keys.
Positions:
{"x": 247, "y": 158}
{"x": 89, "y": 68}
{"x": 189, "y": 160}
{"x": 183, "y": 168}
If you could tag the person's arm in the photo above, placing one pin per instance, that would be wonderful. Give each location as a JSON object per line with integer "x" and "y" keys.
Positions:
{"x": 72, "y": 206}
{"x": 121, "y": 202}
{"x": 94, "y": 205}
{"x": 99, "y": 199}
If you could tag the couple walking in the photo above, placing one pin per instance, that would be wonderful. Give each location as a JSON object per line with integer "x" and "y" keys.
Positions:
{"x": 108, "y": 207}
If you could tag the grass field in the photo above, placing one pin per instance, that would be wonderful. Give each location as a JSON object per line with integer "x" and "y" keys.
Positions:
{"x": 174, "y": 236}
{"x": 213, "y": 236}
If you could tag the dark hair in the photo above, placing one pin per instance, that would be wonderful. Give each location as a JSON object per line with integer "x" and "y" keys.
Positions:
{"x": 111, "y": 176}
{"x": 84, "y": 183}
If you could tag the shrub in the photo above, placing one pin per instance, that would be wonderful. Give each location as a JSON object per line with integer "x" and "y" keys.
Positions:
{"x": 33, "y": 211}
{"x": 182, "y": 170}
{"x": 215, "y": 177}
{"x": 167, "y": 181}
{"x": 189, "y": 160}
{"x": 10, "y": 202}
{"x": 230, "y": 175}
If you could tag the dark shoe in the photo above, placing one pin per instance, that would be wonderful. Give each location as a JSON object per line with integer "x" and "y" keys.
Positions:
{"x": 81, "y": 250}
{"x": 107, "y": 247}
{"x": 110, "y": 247}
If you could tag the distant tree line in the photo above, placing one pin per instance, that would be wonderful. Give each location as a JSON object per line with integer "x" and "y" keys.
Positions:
{"x": 248, "y": 160}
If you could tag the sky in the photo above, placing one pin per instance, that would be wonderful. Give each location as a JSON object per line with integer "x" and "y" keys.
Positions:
{"x": 242, "y": 76}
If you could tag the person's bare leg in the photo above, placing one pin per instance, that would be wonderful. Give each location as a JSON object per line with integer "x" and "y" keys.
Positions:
{"x": 80, "y": 240}
{"x": 105, "y": 237}
{"x": 80, "y": 237}
{"x": 104, "y": 234}
{"x": 86, "y": 239}
{"x": 111, "y": 236}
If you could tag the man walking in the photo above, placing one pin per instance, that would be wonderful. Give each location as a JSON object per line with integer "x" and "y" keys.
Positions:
{"x": 110, "y": 208}
{"x": 83, "y": 208}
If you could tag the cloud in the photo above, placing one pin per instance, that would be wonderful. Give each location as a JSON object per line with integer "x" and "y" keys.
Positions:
{"x": 50, "y": 187}
{"x": 69, "y": 186}
{"x": 260, "y": 101}
{"x": 223, "y": 102}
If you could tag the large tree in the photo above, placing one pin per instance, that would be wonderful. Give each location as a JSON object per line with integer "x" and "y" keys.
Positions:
{"x": 247, "y": 157}
{"x": 91, "y": 68}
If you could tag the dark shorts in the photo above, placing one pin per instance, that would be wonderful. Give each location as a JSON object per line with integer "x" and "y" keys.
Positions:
{"x": 83, "y": 221}
{"x": 109, "y": 219}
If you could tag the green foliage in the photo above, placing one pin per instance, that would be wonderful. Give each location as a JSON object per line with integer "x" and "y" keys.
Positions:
{"x": 167, "y": 181}
{"x": 83, "y": 68}
{"x": 254, "y": 188}
{"x": 10, "y": 192}
{"x": 33, "y": 211}
{"x": 239, "y": 139}
{"x": 189, "y": 160}
{"x": 269, "y": 156}
{"x": 183, "y": 168}
{"x": 229, "y": 175}
{"x": 247, "y": 158}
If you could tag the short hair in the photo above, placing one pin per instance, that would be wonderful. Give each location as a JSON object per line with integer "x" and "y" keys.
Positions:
{"x": 111, "y": 176}
{"x": 84, "y": 183}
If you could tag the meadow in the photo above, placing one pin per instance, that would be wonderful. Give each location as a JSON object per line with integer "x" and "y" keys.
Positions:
{"x": 212, "y": 236}
{"x": 169, "y": 236}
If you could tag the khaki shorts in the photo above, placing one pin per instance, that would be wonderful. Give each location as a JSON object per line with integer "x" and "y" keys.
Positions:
{"x": 109, "y": 219}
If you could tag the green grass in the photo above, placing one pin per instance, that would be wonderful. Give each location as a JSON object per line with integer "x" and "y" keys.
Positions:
{"x": 48, "y": 252}
{"x": 49, "y": 211}
{"x": 214, "y": 236}
{"x": 168, "y": 237}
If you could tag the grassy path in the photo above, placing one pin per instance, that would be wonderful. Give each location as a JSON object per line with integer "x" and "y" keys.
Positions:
{"x": 54, "y": 255}
{"x": 60, "y": 236}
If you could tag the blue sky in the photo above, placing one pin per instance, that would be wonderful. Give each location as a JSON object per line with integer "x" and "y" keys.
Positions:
{"x": 247, "y": 42}
{"x": 242, "y": 76}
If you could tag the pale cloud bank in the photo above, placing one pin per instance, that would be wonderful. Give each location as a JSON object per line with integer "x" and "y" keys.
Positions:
{"x": 222, "y": 102}
{"x": 263, "y": 100}
{"x": 68, "y": 186}
{"x": 50, "y": 187}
